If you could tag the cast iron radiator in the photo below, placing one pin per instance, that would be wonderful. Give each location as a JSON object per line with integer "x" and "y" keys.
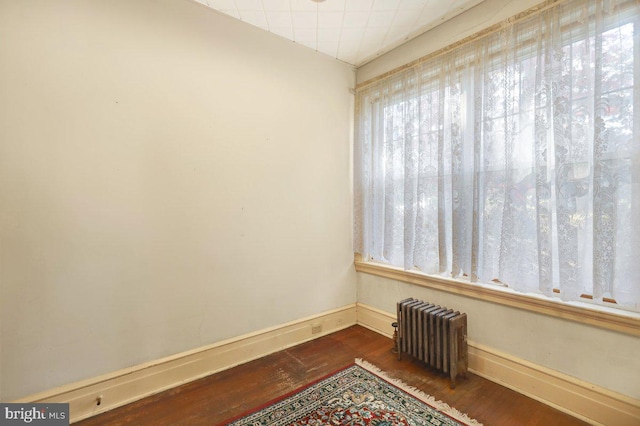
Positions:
{"x": 435, "y": 335}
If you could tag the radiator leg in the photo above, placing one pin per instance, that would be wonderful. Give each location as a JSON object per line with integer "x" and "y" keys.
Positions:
{"x": 453, "y": 379}
{"x": 396, "y": 340}
{"x": 453, "y": 354}
{"x": 464, "y": 355}
{"x": 395, "y": 348}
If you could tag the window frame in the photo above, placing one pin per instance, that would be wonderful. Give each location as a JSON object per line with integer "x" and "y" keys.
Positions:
{"x": 615, "y": 319}
{"x": 606, "y": 315}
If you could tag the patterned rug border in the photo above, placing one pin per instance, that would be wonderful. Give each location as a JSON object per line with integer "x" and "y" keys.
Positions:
{"x": 442, "y": 407}
{"x": 285, "y": 396}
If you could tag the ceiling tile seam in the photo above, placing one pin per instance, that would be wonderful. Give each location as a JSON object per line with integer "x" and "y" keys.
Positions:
{"x": 395, "y": 13}
{"x": 410, "y": 35}
{"x": 293, "y": 29}
{"x": 344, "y": 11}
{"x": 355, "y": 51}
{"x": 353, "y": 60}
{"x": 238, "y": 10}
{"x": 416, "y": 33}
{"x": 366, "y": 25}
{"x": 414, "y": 25}
{"x": 293, "y": 24}
{"x": 264, "y": 12}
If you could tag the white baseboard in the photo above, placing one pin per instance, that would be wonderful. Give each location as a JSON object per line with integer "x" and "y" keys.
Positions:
{"x": 375, "y": 319}
{"x": 578, "y": 398}
{"x": 131, "y": 384}
{"x": 583, "y": 400}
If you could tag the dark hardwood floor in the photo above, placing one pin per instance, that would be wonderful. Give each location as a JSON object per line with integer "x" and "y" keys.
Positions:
{"x": 219, "y": 397}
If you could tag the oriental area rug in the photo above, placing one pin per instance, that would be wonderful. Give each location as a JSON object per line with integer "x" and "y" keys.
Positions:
{"x": 357, "y": 395}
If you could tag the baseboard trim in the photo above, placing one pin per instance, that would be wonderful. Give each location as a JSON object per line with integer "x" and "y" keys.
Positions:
{"x": 375, "y": 319}
{"x": 578, "y": 398}
{"x": 128, "y": 385}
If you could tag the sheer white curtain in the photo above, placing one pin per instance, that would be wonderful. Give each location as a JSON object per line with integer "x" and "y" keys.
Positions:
{"x": 514, "y": 158}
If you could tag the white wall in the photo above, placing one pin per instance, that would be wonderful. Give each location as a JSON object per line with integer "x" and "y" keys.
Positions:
{"x": 595, "y": 355}
{"x": 606, "y": 358}
{"x": 169, "y": 178}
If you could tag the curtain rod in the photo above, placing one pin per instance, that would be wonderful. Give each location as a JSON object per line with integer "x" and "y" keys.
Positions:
{"x": 480, "y": 34}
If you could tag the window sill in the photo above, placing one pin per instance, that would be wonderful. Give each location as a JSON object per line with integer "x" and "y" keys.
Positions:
{"x": 603, "y": 317}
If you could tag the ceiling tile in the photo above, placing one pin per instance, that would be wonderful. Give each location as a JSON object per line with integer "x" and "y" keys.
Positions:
{"x": 405, "y": 18}
{"x": 221, "y": 4}
{"x": 329, "y": 47}
{"x": 248, "y": 4}
{"x": 413, "y": 4}
{"x": 279, "y": 19}
{"x": 352, "y": 34}
{"x": 370, "y": 47}
{"x": 347, "y": 53}
{"x": 304, "y": 19}
{"x": 355, "y": 19}
{"x": 374, "y": 35}
{"x": 385, "y": 4}
{"x": 286, "y": 32}
{"x": 330, "y": 19}
{"x": 256, "y": 18}
{"x": 380, "y": 19}
{"x": 397, "y": 34}
{"x": 348, "y": 57}
{"x": 305, "y": 34}
{"x": 353, "y": 31}
{"x": 276, "y": 5}
{"x": 332, "y": 5}
{"x": 359, "y": 5}
{"x": 329, "y": 34}
{"x": 313, "y": 44}
{"x": 349, "y": 46}
{"x": 303, "y": 5}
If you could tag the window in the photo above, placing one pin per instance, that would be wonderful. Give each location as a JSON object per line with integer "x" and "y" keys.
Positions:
{"x": 513, "y": 159}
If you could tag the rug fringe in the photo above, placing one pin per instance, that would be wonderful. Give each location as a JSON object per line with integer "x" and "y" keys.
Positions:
{"x": 425, "y": 397}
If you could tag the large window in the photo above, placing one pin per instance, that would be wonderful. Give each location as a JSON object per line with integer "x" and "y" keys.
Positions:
{"x": 513, "y": 159}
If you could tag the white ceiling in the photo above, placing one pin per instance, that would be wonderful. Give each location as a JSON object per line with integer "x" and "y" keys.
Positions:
{"x": 353, "y": 31}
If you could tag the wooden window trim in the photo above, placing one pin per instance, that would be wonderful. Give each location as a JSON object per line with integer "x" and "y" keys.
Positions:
{"x": 608, "y": 318}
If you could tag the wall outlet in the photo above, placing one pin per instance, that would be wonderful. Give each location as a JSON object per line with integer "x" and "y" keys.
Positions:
{"x": 316, "y": 328}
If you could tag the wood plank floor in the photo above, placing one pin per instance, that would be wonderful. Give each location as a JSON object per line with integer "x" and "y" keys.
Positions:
{"x": 216, "y": 398}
